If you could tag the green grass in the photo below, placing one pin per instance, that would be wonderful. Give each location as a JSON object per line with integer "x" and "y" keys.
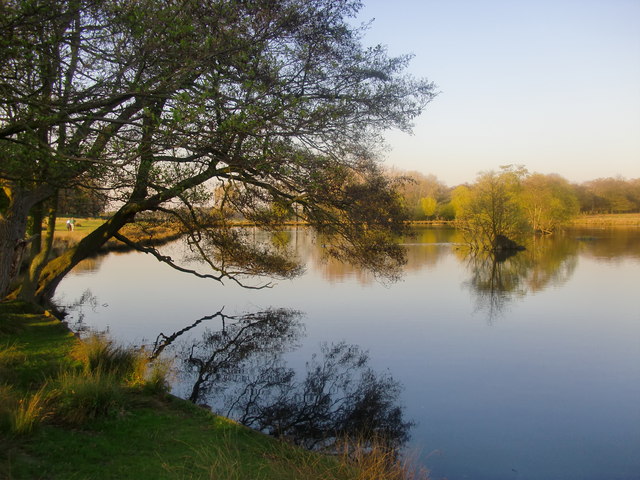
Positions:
{"x": 85, "y": 225}
{"x": 66, "y": 413}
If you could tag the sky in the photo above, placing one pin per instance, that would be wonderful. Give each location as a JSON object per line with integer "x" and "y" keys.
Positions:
{"x": 553, "y": 85}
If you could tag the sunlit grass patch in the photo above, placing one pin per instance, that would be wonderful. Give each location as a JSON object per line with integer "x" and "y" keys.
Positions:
{"x": 608, "y": 220}
{"x": 82, "y": 225}
{"x": 97, "y": 353}
{"x": 10, "y": 355}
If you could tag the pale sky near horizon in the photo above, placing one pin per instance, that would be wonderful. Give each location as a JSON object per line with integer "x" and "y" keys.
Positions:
{"x": 553, "y": 85}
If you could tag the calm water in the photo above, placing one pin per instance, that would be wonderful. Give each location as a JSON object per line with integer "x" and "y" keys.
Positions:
{"x": 526, "y": 369}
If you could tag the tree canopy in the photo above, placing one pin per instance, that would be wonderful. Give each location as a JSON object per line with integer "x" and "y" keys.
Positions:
{"x": 159, "y": 104}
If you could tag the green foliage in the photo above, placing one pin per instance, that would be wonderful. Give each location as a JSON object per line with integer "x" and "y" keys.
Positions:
{"x": 421, "y": 194}
{"x": 447, "y": 211}
{"x": 548, "y": 201}
{"x": 429, "y": 206}
{"x": 461, "y": 200}
{"x": 491, "y": 208}
{"x": 278, "y": 101}
{"x": 609, "y": 195}
{"x": 83, "y": 201}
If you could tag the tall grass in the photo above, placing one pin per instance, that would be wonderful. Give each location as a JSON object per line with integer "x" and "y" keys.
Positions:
{"x": 83, "y": 396}
{"x": 97, "y": 353}
{"x": 354, "y": 461}
{"x": 377, "y": 462}
{"x": 130, "y": 366}
{"x": 98, "y": 388}
{"x": 21, "y": 414}
{"x": 30, "y": 412}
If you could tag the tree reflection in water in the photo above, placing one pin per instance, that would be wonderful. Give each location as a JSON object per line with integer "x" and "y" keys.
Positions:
{"x": 339, "y": 397}
{"x": 497, "y": 279}
{"x": 239, "y": 370}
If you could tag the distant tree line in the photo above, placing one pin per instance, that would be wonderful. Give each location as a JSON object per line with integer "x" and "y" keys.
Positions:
{"x": 427, "y": 198}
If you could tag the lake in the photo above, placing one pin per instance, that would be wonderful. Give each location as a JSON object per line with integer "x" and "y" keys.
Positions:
{"x": 522, "y": 369}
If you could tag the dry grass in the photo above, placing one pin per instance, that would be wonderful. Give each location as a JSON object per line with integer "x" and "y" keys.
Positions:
{"x": 22, "y": 414}
{"x": 30, "y": 412}
{"x": 79, "y": 397}
{"x": 352, "y": 462}
{"x": 362, "y": 461}
{"x": 609, "y": 220}
{"x": 129, "y": 366}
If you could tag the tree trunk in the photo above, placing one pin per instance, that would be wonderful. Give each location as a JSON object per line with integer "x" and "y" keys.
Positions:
{"x": 13, "y": 226}
{"x": 40, "y": 254}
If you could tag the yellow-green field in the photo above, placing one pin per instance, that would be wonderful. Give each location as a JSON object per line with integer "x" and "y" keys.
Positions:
{"x": 610, "y": 219}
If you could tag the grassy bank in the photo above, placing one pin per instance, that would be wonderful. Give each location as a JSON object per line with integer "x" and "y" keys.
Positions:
{"x": 146, "y": 233}
{"x": 608, "y": 220}
{"x": 63, "y": 417}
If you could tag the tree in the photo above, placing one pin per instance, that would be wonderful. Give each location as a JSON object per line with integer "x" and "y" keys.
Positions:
{"x": 461, "y": 200}
{"x": 84, "y": 201}
{"x": 429, "y": 206}
{"x": 548, "y": 200}
{"x": 612, "y": 195}
{"x": 490, "y": 212}
{"x": 160, "y": 103}
{"x": 420, "y": 191}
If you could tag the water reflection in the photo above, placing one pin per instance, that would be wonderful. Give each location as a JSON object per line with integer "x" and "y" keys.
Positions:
{"x": 525, "y": 394}
{"x": 552, "y": 258}
{"x": 499, "y": 279}
{"x": 612, "y": 244}
{"x": 495, "y": 281}
{"x": 240, "y": 372}
{"x": 219, "y": 357}
{"x": 338, "y": 397}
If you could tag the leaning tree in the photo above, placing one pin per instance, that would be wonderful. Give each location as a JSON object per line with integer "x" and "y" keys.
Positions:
{"x": 201, "y": 110}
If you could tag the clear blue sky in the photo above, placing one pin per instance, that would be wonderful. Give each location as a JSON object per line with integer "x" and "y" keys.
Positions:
{"x": 550, "y": 84}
